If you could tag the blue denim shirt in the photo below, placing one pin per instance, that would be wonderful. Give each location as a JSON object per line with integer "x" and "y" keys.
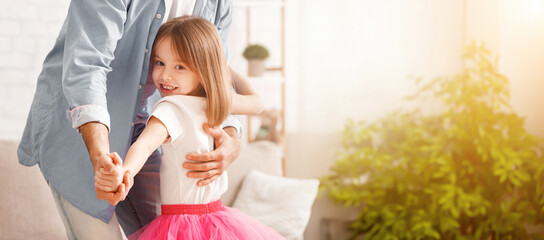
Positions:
{"x": 97, "y": 72}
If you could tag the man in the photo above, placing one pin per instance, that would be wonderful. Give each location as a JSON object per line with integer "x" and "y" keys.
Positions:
{"x": 93, "y": 98}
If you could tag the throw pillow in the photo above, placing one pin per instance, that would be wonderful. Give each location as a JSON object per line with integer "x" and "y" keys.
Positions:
{"x": 281, "y": 203}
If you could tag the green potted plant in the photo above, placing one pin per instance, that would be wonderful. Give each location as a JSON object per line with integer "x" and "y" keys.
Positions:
{"x": 471, "y": 171}
{"x": 255, "y": 55}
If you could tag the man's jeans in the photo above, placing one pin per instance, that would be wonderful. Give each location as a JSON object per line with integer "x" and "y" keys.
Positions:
{"x": 81, "y": 226}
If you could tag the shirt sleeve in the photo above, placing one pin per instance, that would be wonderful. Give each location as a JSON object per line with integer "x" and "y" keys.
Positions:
{"x": 172, "y": 116}
{"x": 223, "y": 25}
{"x": 224, "y": 22}
{"x": 93, "y": 29}
{"x": 234, "y": 122}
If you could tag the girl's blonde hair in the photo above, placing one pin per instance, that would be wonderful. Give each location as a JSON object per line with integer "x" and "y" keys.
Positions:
{"x": 197, "y": 43}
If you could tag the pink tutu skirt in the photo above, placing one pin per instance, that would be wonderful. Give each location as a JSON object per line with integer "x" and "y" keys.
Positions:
{"x": 204, "y": 221}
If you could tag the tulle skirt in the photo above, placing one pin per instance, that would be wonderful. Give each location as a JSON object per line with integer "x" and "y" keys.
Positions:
{"x": 204, "y": 221}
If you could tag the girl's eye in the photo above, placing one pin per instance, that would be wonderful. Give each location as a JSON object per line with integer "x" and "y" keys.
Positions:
{"x": 178, "y": 67}
{"x": 159, "y": 63}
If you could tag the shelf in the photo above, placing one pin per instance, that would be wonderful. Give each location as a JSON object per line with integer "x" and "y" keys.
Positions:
{"x": 267, "y": 78}
{"x": 269, "y": 87}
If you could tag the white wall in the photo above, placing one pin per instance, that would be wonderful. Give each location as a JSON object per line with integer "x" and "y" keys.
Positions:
{"x": 28, "y": 29}
{"x": 521, "y": 46}
{"x": 356, "y": 56}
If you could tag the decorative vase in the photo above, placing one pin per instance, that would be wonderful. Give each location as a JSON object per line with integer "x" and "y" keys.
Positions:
{"x": 255, "y": 67}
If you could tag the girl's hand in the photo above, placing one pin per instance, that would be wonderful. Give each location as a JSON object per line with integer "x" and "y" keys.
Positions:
{"x": 109, "y": 181}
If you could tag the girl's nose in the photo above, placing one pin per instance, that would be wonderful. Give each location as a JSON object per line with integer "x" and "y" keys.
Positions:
{"x": 166, "y": 76}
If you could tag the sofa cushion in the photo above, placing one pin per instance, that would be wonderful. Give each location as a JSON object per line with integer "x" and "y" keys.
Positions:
{"x": 281, "y": 203}
{"x": 264, "y": 156}
{"x": 26, "y": 203}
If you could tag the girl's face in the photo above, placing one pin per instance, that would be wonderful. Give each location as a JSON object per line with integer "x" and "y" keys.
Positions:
{"x": 170, "y": 74}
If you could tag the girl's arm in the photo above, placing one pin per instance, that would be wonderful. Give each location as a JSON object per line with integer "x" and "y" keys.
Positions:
{"x": 246, "y": 101}
{"x": 150, "y": 139}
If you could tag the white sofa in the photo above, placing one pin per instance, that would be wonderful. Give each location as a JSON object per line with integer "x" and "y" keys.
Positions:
{"x": 28, "y": 211}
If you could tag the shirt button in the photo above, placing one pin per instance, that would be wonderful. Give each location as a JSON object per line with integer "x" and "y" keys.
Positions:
{"x": 139, "y": 87}
{"x": 132, "y": 124}
{"x": 159, "y": 16}
{"x": 146, "y": 50}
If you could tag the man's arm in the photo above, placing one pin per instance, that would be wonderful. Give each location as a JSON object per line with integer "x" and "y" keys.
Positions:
{"x": 211, "y": 165}
{"x": 223, "y": 22}
{"x": 97, "y": 141}
{"x": 93, "y": 29}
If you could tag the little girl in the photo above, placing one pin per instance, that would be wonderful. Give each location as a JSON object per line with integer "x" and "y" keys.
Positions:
{"x": 190, "y": 72}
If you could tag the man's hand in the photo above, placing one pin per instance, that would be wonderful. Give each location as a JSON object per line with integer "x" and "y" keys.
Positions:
{"x": 122, "y": 191}
{"x": 211, "y": 165}
{"x": 115, "y": 197}
{"x": 109, "y": 180}
{"x": 103, "y": 162}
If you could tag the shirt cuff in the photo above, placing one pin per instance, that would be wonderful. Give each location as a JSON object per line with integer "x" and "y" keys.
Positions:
{"x": 89, "y": 113}
{"x": 234, "y": 122}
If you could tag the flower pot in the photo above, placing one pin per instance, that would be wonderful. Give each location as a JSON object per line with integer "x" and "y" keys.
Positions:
{"x": 255, "y": 67}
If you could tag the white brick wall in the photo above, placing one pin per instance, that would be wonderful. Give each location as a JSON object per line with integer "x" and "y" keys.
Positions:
{"x": 28, "y": 29}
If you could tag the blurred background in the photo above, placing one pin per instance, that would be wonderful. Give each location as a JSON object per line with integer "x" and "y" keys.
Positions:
{"x": 329, "y": 61}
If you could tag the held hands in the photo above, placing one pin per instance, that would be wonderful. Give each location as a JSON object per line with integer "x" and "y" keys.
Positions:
{"x": 109, "y": 177}
{"x": 211, "y": 165}
{"x": 112, "y": 182}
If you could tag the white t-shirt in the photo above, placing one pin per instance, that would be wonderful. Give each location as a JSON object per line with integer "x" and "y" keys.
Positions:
{"x": 177, "y": 8}
{"x": 183, "y": 117}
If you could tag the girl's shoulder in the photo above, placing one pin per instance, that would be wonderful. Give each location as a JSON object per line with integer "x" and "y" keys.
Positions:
{"x": 178, "y": 113}
{"x": 181, "y": 104}
{"x": 183, "y": 100}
